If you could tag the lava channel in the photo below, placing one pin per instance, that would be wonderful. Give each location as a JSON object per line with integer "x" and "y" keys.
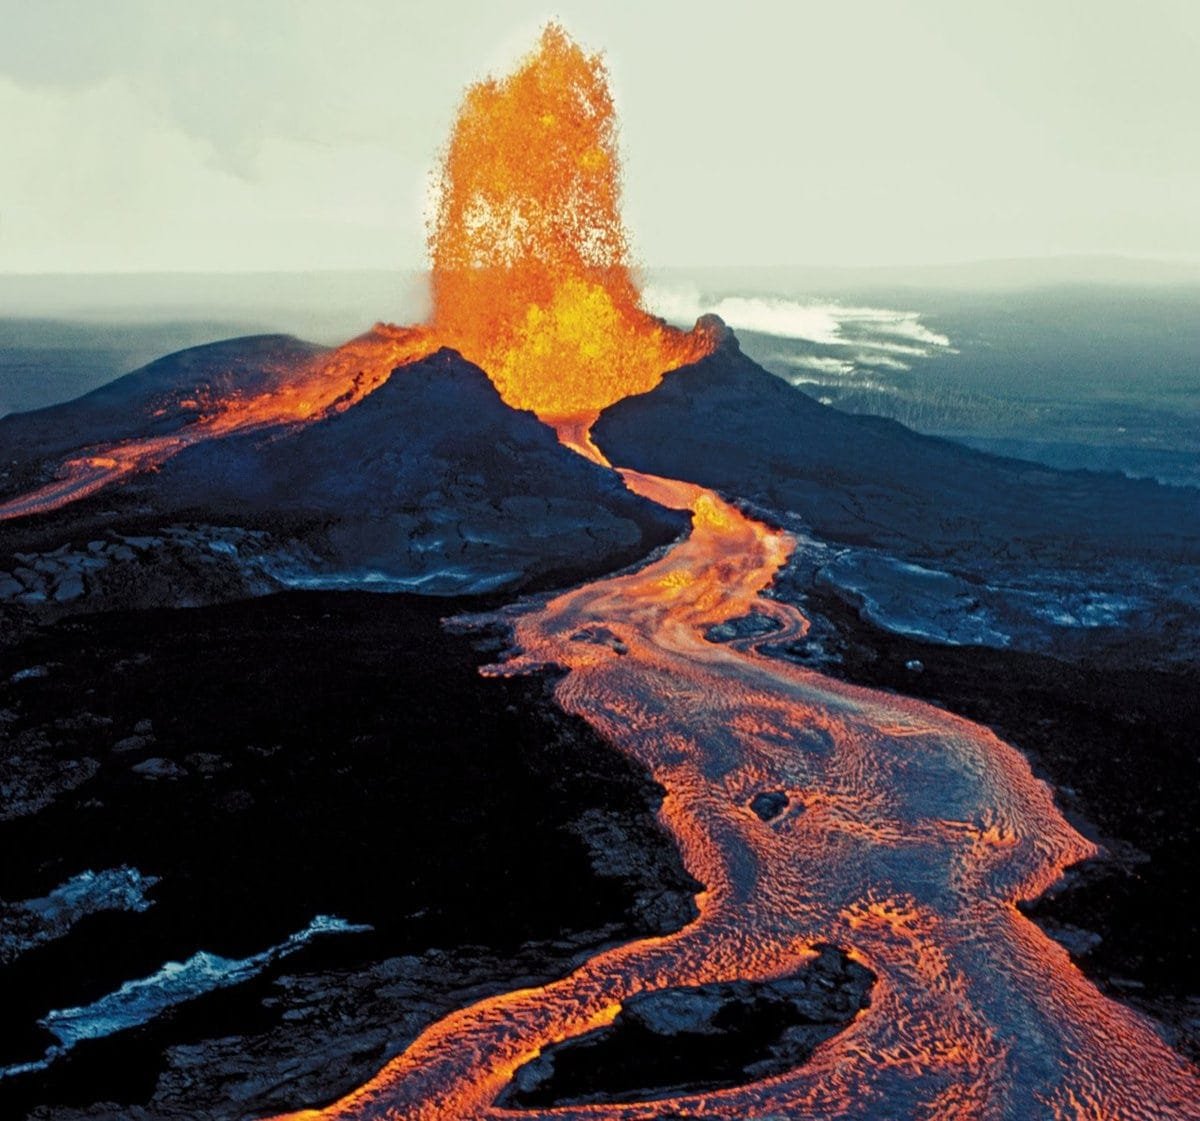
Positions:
{"x": 327, "y": 385}
{"x": 920, "y": 832}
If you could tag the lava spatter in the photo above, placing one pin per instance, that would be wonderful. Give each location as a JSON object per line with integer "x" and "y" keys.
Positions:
{"x": 531, "y": 263}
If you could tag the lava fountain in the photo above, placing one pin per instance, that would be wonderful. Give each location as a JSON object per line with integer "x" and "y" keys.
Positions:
{"x": 531, "y": 263}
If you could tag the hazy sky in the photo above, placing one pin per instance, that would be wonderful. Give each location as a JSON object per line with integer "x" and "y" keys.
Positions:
{"x": 289, "y": 134}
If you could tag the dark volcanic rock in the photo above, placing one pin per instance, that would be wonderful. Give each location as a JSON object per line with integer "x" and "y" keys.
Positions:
{"x": 430, "y": 478}
{"x": 754, "y": 625}
{"x": 769, "y": 804}
{"x": 30, "y": 922}
{"x": 705, "y": 1037}
{"x": 156, "y": 400}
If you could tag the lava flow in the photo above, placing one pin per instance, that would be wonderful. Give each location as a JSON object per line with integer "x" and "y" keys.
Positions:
{"x": 912, "y": 837}
{"x": 325, "y": 386}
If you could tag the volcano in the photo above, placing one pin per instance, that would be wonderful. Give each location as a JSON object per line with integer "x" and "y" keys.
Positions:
{"x": 431, "y": 482}
{"x": 621, "y": 793}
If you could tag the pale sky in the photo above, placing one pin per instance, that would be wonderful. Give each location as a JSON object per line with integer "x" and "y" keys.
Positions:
{"x": 230, "y": 135}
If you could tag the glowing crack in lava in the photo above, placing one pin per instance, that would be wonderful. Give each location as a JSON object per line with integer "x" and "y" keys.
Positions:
{"x": 913, "y": 835}
{"x": 530, "y": 274}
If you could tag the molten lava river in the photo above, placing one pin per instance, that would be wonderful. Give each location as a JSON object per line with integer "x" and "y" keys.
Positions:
{"x": 919, "y": 832}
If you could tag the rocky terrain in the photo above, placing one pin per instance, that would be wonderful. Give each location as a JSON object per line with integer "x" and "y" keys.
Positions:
{"x": 702, "y": 1037}
{"x": 157, "y": 400}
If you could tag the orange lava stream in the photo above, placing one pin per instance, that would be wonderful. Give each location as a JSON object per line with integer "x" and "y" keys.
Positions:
{"x": 327, "y": 385}
{"x": 911, "y": 835}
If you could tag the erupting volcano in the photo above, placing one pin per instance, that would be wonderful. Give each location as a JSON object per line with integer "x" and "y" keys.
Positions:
{"x": 531, "y": 281}
{"x": 898, "y": 834}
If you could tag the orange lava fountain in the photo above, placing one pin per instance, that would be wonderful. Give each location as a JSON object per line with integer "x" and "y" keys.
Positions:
{"x": 531, "y": 272}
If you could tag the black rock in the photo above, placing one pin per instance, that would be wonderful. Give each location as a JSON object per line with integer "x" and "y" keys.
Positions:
{"x": 430, "y": 483}
{"x": 770, "y": 804}
{"x": 326, "y": 754}
{"x": 155, "y": 400}
{"x": 703, "y": 1037}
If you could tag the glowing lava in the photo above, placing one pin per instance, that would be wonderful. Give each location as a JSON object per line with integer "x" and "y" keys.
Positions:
{"x": 531, "y": 272}
{"x": 913, "y": 835}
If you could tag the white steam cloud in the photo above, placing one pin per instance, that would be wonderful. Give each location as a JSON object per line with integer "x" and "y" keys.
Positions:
{"x": 874, "y": 336}
{"x": 816, "y": 362}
